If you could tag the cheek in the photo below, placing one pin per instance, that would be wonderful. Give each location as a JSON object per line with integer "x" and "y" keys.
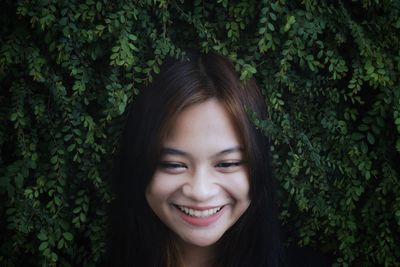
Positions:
{"x": 238, "y": 186}
{"x": 161, "y": 186}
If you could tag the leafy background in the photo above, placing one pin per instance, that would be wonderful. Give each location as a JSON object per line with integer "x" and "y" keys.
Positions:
{"x": 329, "y": 71}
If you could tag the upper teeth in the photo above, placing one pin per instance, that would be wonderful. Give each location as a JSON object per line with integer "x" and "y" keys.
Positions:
{"x": 199, "y": 213}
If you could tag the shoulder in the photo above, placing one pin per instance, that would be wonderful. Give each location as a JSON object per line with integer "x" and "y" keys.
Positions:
{"x": 306, "y": 257}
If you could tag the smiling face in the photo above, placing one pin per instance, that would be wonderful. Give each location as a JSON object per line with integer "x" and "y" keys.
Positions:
{"x": 201, "y": 185}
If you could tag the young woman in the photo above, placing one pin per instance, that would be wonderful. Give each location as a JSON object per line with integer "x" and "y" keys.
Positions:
{"x": 192, "y": 179}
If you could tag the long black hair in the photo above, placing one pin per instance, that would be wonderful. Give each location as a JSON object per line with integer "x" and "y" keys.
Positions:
{"x": 137, "y": 236}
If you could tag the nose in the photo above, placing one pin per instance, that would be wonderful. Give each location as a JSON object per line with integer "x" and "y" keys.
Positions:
{"x": 200, "y": 187}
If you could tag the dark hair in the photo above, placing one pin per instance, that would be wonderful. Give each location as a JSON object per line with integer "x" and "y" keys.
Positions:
{"x": 138, "y": 237}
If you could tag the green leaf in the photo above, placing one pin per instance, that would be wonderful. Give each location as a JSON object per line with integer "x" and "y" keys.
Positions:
{"x": 60, "y": 243}
{"x": 19, "y": 180}
{"x": 363, "y": 127}
{"x": 371, "y": 138}
{"x": 132, "y": 37}
{"x": 77, "y": 210}
{"x": 100, "y": 27}
{"x": 54, "y": 159}
{"x": 290, "y": 21}
{"x": 42, "y": 236}
{"x": 357, "y": 136}
{"x": 98, "y": 6}
{"x": 82, "y": 216}
{"x": 397, "y": 214}
{"x": 68, "y": 236}
{"x": 54, "y": 257}
{"x": 58, "y": 201}
{"x": 14, "y": 116}
{"x": 67, "y": 137}
{"x": 43, "y": 246}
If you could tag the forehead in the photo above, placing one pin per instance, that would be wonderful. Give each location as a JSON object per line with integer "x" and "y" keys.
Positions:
{"x": 206, "y": 123}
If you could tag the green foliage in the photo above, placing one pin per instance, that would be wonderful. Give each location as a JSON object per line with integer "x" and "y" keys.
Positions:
{"x": 329, "y": 72}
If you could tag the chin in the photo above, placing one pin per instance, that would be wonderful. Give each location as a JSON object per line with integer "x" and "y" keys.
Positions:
{"x": 201, "y": 241}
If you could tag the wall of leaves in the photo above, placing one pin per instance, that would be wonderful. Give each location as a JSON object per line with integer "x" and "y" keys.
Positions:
{"x": 329, "y": 71}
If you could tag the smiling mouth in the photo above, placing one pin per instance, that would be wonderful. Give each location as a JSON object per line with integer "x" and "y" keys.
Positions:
{"x": 198, "y": 213}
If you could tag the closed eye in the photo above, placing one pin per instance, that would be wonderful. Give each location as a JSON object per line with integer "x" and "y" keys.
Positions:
{"x": 173, "y": 167}
{"x": 229, "y": 166}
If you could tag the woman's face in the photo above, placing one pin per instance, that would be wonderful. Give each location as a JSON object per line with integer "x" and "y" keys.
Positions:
{"x": 201, "y": 185}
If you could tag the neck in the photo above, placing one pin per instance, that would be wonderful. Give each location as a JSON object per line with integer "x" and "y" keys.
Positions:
{"x": 195, "y": 256}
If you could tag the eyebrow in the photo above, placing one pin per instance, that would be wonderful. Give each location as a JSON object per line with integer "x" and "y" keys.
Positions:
{"x": 177, "y": 152}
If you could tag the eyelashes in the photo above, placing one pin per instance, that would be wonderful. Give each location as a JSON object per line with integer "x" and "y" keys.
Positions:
{"x": 178, "y": 167}
{"x": 171, "y": 165}
{"x": 229, "y": 164}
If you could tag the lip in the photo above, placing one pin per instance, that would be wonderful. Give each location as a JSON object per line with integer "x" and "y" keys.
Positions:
{"x": 200, "y": 208}
{"x": 200, "y": 221}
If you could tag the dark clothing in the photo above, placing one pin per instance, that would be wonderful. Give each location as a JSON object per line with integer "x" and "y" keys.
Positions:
{"x": 306, "y": 257}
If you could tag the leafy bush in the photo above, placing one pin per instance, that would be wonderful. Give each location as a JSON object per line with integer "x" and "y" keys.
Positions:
{"x": 329, "y": 71}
